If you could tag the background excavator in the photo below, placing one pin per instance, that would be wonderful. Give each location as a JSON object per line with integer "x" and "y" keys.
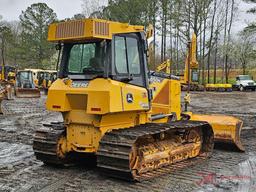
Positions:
{"x": 114, "y": 109}
{"x": 191, "y": 77}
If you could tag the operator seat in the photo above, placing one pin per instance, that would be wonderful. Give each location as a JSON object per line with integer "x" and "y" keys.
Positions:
{"x": 95, "y": 64}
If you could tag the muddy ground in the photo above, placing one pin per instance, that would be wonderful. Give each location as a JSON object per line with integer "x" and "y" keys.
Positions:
{"x": 225, "y": 171}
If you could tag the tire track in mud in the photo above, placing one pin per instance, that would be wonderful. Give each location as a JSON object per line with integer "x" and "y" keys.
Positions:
{"x": 214, "y": 171}
{"x": 21, "y": 118}
{"x": 18, "y": 106}
{"x": 17, "y": 125}
{"x": 31, "y": 175}
{"x": 220, "y": 166}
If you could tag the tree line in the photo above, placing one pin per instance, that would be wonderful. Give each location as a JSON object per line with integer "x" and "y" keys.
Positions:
{"x": 174, "y": 21}
{"x": 24, "y": 42}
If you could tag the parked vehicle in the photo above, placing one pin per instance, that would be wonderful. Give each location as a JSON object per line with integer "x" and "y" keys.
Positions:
{"x": 245, "y": 82}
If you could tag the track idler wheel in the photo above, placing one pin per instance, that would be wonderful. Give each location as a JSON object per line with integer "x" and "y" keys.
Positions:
{"x": 49, "y": 146}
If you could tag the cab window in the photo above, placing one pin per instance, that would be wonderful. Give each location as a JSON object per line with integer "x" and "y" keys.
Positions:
{"x": 120, "y": 55}
{"x": 86, "y": 59}
{"x": 127, "y": 58}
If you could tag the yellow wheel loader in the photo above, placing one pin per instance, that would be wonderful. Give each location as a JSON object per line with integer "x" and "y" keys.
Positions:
{"x": 49, "y": 78}
{"x": 25, "y": 87}
{"x": 11, "y": 78}
{"x": 115, "y": 110}
{"x": 5, "y": 84}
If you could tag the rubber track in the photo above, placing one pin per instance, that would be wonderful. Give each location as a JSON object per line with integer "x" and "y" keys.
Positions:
{"x": 115, "y": 147}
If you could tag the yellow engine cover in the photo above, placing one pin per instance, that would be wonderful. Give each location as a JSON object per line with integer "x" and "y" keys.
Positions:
{"x": 99, "y": 96}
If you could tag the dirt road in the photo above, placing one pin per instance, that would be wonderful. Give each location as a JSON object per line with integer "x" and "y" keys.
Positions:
{"x": 225, "y": 171}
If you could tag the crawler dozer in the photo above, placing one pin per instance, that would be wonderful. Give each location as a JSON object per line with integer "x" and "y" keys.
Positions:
{"x": 25, "y": 87}
{"x": 115, "y": 110}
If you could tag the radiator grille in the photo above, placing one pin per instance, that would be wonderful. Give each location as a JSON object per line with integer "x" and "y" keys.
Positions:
{"x": 101, "y": 28}
{"x": 70, "y": 29}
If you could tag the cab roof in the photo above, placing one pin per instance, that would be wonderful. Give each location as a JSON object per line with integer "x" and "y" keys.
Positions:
{"x": 88, "y": 29}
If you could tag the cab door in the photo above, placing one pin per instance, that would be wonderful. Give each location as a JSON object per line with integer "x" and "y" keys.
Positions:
{"x": 129, "y": 68}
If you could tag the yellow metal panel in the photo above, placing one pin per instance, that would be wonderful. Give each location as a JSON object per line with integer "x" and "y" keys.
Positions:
{"x": 166, "y": 97}
{"x": 99, "y": 97}
{"x": 80, "y": 117}
{"x": 134, "y": 98}
{"x": 175, "y": 98}
{"x": 88, "y": 29}
{"x": 117, "y": 121}
{"x": 218, "y": 85}
{"x": 83, "y": 138}
{"x": 98, "y": 102}
{"x": 113, "y": 97}
{"x": 225, "y": 128}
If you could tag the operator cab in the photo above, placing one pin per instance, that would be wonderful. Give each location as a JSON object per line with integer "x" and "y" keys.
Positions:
{"x": 24, "y": 79}
{"x": 123, "y": 59}
{"x": 194, "y": 76}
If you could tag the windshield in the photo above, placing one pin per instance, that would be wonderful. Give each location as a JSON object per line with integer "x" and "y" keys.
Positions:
{"x": 40, "y": 75}
{"x": 25, "y": 76}
{"x": 245, "y": 77}
{"x": 53, "y": 76}
{"x": 47, "y": 76}
{"x": 86, "y": 58}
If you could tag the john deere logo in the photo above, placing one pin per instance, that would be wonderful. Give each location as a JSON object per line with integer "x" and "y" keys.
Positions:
{"x": 129, "y": 98}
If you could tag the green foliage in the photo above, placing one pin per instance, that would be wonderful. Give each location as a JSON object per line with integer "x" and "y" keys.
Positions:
{"x": 130, "y": 11}
{"x": 33, "y": 38}
{"x": 251, "y": 26}
{"x": 5, "y": 36}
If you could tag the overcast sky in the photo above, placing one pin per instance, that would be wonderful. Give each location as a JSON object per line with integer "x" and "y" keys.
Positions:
{"x": 11, "y": 9}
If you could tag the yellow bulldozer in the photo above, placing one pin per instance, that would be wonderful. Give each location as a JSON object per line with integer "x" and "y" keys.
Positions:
{"x": 25, "y": 87}
{"x": 114, "y": 109}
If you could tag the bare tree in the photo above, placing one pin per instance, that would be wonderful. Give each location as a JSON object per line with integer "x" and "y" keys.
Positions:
{"x": 227, "y": 68}
{"x": 244, "y": 49}
{"x": 210, "y": 40}
{"x": 90, "y": 7}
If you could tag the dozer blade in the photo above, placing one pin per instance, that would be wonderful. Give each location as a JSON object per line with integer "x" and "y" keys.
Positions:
{"x": 27, "y": 92}
{"x": 226, "y": 129}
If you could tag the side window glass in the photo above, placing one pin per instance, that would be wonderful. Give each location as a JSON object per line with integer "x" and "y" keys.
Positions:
{"x": 133, "y": 55}
{"x": 120, "y": 55}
